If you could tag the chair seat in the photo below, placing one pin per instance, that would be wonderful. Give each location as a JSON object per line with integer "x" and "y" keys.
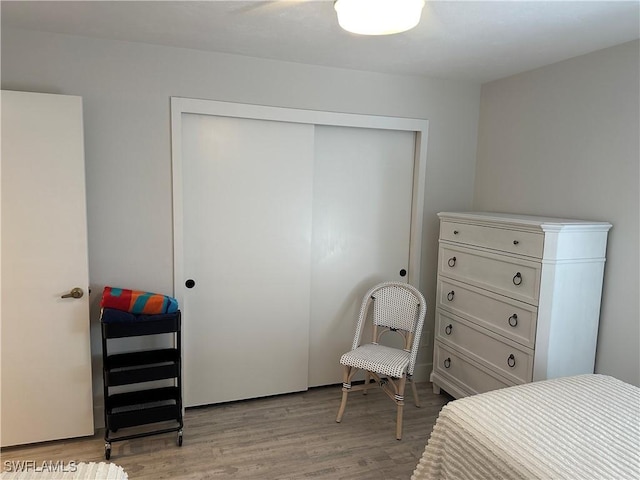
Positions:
{"x": 378, "y": 358}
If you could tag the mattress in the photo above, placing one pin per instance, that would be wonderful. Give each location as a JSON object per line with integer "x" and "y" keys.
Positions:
{"x": 53, "y": 470}
{"x": 581, "y": 427}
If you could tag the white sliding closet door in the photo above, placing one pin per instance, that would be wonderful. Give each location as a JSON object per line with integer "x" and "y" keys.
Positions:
{"x": 247, "y": 210}
{"x": 362, "y": 202}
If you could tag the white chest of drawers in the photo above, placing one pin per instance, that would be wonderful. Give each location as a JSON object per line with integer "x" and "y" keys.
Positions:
{"x": 518, "y": 300}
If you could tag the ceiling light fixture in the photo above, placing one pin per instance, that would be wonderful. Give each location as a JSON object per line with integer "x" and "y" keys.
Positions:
{"x": 378, "y": 17}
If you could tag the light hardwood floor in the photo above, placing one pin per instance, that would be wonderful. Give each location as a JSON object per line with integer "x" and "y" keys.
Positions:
{"x": 292, "y": 436}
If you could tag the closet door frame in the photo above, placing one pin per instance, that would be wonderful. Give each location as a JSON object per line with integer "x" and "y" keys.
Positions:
{"x": 180, "y": 106}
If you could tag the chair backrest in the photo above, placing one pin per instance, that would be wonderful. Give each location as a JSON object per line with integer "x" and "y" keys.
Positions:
{"x": 396, "y": 306}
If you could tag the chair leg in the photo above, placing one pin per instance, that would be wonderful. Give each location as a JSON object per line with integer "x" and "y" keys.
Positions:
{"x": 367, "y": 379}
{"x": 415, "y": 393}
{"x": 400, "y": 402}
{"x": 346, "y": 386}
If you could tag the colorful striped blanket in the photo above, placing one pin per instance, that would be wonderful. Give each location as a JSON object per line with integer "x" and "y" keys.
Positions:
{"x": 137, "y": 302}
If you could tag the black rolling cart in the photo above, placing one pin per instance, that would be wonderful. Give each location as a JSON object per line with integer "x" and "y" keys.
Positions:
{"x": 142, "y": 405}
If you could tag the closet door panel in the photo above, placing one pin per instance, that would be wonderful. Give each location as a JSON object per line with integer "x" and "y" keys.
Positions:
{"x": 362, "y": 198}
{"x": 247, "y": 209}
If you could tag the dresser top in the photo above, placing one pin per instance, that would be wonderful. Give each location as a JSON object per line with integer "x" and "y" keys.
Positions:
{"x": 528, "y": 220}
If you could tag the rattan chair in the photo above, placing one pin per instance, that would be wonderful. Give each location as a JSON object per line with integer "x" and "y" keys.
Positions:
{"x": 396, "y": 308}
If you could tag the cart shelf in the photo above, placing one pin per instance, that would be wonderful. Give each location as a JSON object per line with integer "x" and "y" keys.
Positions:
{"x": 146, "y": 366}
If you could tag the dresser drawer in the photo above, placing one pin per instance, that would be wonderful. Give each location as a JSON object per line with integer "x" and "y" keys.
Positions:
{"x": 511, "y": 361}
{"x": 514, "y": 277}
{"x": 513, "y": 241}
{"x": 471, "y": 377}
{"x": 513, "y": 319}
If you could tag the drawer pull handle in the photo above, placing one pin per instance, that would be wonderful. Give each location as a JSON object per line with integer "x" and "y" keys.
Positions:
{"x": 455, "y": 232}
{"x": 452, "y": 262}
{"x": 447, "y": 362}
{"x": 450, "y": 295}
{"x": 516, "y": 242}
{"x": 511, "y": 361}
{"x": 513, "y": 320}
{"x": 448, "y": 329}
{"x": 517, "y": 279}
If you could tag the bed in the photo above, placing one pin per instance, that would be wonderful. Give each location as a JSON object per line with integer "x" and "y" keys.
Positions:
{"x": 581, "y": 427}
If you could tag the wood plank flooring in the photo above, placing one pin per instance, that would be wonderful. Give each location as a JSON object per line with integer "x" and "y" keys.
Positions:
{"x": 291, "y": 436}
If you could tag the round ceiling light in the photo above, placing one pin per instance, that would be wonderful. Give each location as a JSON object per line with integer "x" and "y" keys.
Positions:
{"x": 378, "y": 17}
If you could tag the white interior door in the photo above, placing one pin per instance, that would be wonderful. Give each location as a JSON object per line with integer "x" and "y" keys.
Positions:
{"x": 362, "y": 200}
{"x": 46, "y": 358}
{"x": 247, "y": 192}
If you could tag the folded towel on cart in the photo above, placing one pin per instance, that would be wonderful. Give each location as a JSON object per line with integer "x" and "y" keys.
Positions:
{"x": 137, "y": 302}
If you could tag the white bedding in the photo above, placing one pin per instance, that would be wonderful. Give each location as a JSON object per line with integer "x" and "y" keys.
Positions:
{"x": 54, "y": 470}
{"x": 582, "y": 427}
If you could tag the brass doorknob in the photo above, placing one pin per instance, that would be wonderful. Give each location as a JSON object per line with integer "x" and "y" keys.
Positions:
{"x": 74, "y": 293}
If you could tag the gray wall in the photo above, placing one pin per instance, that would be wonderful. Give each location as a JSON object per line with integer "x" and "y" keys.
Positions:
{"x": 126, "y": 89}
{"x": 563, "y": 141}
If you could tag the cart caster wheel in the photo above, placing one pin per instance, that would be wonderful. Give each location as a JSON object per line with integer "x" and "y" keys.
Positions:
{"x": 107, "y": 451}
{"x": 180, "y": 438}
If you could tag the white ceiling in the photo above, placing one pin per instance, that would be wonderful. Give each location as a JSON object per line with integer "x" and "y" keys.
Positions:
{"x": 466, "y": 40}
